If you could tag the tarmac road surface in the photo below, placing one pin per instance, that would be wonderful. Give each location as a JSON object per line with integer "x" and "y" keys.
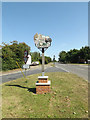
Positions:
{"x": 80, "y": 70}
{"x": 13, "y": 76}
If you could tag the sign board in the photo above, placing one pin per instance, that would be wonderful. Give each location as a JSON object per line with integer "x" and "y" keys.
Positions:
{"x": 25, "y": 66}
{"x": 25, "y": 53}
{"x": 25, "y": 56}
{"x": 42, "y": 41}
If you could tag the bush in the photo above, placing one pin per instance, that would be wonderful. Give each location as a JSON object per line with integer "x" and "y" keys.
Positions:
{"x": 12, "y": 53}
{"x": 47, "y": 60}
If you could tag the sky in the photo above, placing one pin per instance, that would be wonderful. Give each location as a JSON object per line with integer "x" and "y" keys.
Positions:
{"x": 65, "y": 22}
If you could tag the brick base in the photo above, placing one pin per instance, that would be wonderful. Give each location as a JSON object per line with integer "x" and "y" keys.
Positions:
{"x": 41, "y": 89}
{"x": 42, "y": 81}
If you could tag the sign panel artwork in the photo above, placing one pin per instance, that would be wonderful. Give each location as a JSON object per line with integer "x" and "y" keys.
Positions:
{"x": 25, "y": 53}
{"x": 25, "y": 56}
{"x": 42, "y": 41}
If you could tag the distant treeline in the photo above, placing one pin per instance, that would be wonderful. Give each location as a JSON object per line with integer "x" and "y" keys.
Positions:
{"x": 36, "y": 56}
{"x": 15, "y": 52}
{"x": 75, "y": 56}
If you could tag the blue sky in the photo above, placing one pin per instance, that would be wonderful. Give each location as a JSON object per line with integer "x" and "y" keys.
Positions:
{"x": 65, "y": 22}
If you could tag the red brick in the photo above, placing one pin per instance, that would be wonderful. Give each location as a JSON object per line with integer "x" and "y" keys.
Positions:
{"x": 42, "y": 89}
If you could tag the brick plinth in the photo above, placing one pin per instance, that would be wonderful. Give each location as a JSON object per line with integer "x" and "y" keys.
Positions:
{"x": 42, "y": 85}
{"x": 41, "y": 89}
{"x": 43, "y": 80}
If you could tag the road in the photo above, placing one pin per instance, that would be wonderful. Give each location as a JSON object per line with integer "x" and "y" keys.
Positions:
{"x": 13, "y": 76}
{"x": 80, "y": 70}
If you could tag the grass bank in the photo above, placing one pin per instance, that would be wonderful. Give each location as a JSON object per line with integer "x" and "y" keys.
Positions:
{"x": 68, "y": 98}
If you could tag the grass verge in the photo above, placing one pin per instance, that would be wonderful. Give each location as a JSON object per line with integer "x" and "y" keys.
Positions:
{"x": 68, "y": 98}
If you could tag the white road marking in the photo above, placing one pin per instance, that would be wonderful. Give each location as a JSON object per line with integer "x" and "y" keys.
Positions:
{"x": 62, "y": 68}
{"x": 83, "y": 66}
{"x": 80, "y": 68}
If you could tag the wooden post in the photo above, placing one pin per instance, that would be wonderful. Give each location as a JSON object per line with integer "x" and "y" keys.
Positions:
{"x": 42, "y": 61}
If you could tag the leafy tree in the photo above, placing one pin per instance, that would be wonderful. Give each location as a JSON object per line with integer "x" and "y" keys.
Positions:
{"x": 0, "y": 59}
{"x": 75, "y": 56}
{"x": 84, "y": 54}
{"x": 47, "y": 60}
{"x": 72, "y": 56}
{"x": 12, "y": 53}
{"x": 35, "y": 56}
{"x": 62, "y": 56}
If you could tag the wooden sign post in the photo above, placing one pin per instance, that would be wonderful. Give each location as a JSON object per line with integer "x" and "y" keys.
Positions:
{"x": 42, "y": 43}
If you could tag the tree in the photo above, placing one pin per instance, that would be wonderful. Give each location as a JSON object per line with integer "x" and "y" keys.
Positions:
{"x": 12, "y": 53}
{"x": 75, "y": 56}
{"x": 84, "y": 54}
{"x": 72, "y": 56}
{"x": 0, "y": 59}
{"x": 62, "y": 56}
{"x": 47, "y": 60}
{"x": 35, "y": 56}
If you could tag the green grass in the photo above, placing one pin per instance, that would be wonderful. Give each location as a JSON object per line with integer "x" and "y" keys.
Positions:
{"x": 53, "y": 65}
{"x": 68, "y": 98}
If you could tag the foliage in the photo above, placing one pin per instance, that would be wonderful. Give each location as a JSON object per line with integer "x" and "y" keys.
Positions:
{"x": 47, "y": 60}
{"x": 0, "y": 59}
{"x": 15, "y": 52}
{"x": 75, "y": 56}
{"x": 12, "y": 53}
{"x": 35, "y": 56}
{"x": 62, "y": 56}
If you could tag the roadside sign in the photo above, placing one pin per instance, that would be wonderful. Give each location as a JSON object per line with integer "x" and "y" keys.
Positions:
{"x": 25, "y": 56}
{"x": 25, "y": 53}
{"x": 25, "y": 66}
{"x": 42, "y": 41}
{"x": 25, "y": 59}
